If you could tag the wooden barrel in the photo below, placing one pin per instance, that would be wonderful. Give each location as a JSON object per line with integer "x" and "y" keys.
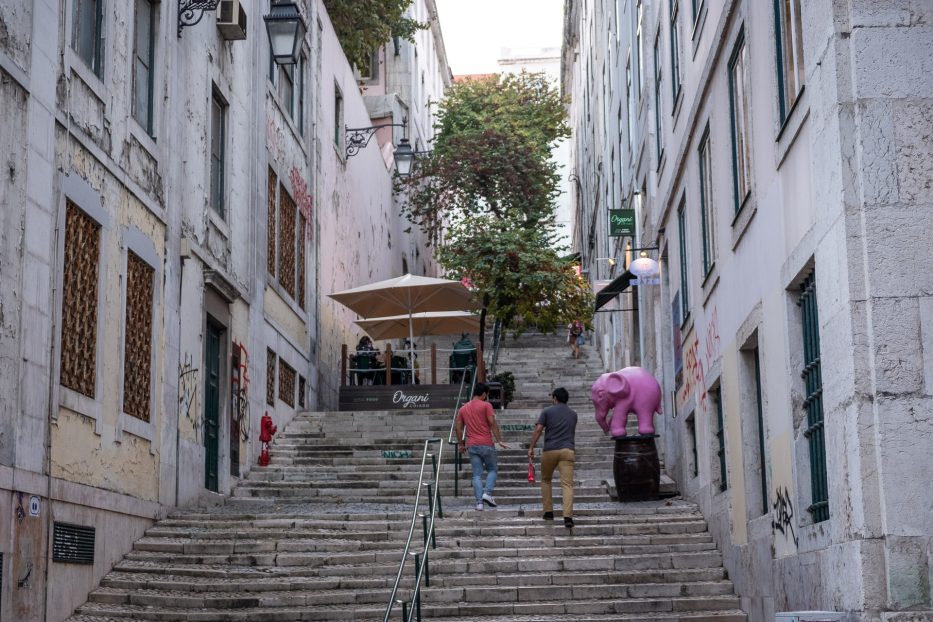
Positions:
{"x": 636, "y": 468}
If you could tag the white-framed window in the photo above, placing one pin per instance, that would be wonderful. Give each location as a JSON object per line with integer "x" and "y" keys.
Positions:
{"x": 788, "y": 37}
{"x": 707, "y": 212}
{"x": 218, "y": 143}
{"x": 741, "y": 121}
{"x": 675, "y": 49}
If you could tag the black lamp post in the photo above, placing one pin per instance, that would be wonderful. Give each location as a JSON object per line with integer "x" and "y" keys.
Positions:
{"x": 286, "y": 30}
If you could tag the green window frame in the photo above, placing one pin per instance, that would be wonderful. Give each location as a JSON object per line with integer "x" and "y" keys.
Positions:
{"x": 675, "y": 50}
{"x": 87, "y": 34}
{"x": 682, "y": 233}
{"x": 658, "y": 117}
{"x": 740, "y": 121}
{"x": 707, "y": 219}
{"x": 788, "y": 42}
{"x": 218, "y": 152}
{"x": 813, "y": 403}
{"x": 143, "y": 57}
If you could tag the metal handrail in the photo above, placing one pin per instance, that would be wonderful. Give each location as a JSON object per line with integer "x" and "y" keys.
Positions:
{"x": 434, "y": 503}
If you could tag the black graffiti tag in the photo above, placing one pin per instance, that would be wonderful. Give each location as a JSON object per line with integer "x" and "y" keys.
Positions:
{"x": 783, "y": 516}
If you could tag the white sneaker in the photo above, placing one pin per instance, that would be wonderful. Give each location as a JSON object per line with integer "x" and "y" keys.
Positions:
{"x": 479, "y": 507}
{"x": 489, "y": 499}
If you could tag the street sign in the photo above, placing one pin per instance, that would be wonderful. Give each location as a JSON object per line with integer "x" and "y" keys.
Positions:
{"x": 621, "y": 222}
{"x": 34, "y": 505}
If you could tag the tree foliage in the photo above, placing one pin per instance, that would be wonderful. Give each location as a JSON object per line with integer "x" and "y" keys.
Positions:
{"x": 486, "y": 196}
{"x": 363, "y": 25}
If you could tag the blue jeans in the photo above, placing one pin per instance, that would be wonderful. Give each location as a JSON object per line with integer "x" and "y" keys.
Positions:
{"x": 480, "y": 456}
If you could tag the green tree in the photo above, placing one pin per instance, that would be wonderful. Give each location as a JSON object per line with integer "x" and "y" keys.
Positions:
{"x": 363, "y": 25}
{"x": 486, "y": 196}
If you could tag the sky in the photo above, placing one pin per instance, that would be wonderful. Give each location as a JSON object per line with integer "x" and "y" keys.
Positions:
{"x": 475, "y": 31}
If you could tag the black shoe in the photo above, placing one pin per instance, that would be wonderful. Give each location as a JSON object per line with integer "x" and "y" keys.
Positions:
{"x": 568, "y": 522}
{"x": 549, "y": 516}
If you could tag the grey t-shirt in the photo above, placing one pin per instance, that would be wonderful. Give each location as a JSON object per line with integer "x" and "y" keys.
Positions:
{"x": 560, "y": 425}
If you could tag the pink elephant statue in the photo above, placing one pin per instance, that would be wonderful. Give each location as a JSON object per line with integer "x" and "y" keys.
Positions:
{"x": 632, "y": 389}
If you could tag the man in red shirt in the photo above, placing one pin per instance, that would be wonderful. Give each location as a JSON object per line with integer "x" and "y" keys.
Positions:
{"x": 480, "y": 421}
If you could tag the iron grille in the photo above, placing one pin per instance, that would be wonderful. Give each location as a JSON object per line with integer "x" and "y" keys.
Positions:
{"x": 79, "y": 301}
{"x": 813, "y": 403}
{"x": 300, "y": 251}
{"x": 301, "y": 391}
{"x": 270, "y": 377}
{"x": 286, "y": 383}
{"x": 720, "y": 439}
{"x": 138, "y": 341}
{"x": 270, "y": 226}
{"x": 73, "y": 544}
{"x": 287, "y": 240}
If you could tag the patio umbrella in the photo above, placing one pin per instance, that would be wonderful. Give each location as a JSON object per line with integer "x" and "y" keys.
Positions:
{"x": 407, "y": 295}
{"x": 429, "y": 323}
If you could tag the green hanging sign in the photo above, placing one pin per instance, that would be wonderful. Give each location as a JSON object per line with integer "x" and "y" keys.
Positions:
{"x": 621, "y": 222}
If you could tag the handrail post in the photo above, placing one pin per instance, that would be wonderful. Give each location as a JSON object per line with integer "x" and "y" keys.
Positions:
{"x": 388, "y": 364}
{"x": 434, "y": 363}
{"x": 343, "y": 365}
{"x": 481, "y": 365}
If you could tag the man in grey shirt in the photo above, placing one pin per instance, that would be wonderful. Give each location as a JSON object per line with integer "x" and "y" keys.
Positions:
{"x": 560, "y": 423}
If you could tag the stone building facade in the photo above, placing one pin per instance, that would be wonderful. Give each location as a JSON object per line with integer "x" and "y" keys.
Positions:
{"x": 174, "y": 209}
{"x": 777, "y": 157}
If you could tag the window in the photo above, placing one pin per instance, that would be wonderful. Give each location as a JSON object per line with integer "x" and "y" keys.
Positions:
{"x": 338, "y": 118}
{"x": 218, "y": 148}
{"x": 813, "y": 382}
{"x": 287, "y": 239}
{"x": 143, "y": 56}
{"x": 79, "y": 302}
{"x": 630, "y": 98}
{"x": 675, "y": 49}
{"x": 739, "y": 109}
{"x": 716, "y": 398}
{"x": 692, "y": 437}
{"x": 287, "y": 88}
{"x": 658, "y": 118}
{"x": 271, "y": 361}
{"x": 788, "y": 37}
{"x": 639, "y": 51}
{"x": 761, "y": 431}
{"x": 697, "y": 6}
{"x": 87, "y": 36}
{"x": 137, "y": 346}
{"x": 271, "y": 232}
{"x": 302, "y": 390}
{"x": 285, "y": 245}
{"x": 707, "y": 213}
{"x": 286, "y": 383}
{"x": 682, "y": 232}
{"x": 299, "y": 116}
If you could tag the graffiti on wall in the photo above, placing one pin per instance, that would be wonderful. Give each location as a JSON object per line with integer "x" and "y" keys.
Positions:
{"x": 302, "y": 198}
{"x": 698, "y": 358}
{"x": 188, "y": 381}
{"x": 782, "y": 515}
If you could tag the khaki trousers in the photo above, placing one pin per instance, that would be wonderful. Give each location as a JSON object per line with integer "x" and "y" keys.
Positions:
{"x": 562, "y": 460}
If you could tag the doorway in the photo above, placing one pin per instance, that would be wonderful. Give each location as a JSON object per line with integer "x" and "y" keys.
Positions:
{"x": 213, "y": 364}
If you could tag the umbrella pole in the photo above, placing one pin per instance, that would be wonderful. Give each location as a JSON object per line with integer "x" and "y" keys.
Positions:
{"x": 411, "y": 347}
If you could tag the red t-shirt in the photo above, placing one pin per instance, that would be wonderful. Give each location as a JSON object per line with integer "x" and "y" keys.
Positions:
{"x": 475, "y": 416}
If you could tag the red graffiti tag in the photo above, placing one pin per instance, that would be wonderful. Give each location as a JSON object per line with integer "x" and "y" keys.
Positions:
{"x": 302, "y": 198}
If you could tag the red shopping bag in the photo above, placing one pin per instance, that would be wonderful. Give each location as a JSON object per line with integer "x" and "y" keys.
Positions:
{"x": 531, "y": 472}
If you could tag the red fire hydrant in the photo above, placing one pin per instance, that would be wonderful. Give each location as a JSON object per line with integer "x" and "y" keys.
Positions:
{"x": 266, "y": 430}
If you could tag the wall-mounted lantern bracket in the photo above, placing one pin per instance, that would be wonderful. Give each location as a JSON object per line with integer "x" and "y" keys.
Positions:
{"x": 190, "y": 12}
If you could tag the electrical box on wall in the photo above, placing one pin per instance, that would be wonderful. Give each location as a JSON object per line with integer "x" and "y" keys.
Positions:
{"x": 231, "y": 20}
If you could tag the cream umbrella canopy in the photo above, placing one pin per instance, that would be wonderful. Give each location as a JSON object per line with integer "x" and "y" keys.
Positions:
{"x": 407, "y": 295}
{"x": 429, "y": 323}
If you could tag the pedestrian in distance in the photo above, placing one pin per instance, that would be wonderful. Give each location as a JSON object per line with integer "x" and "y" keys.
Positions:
{"x": 558, "y": 422}
{"x": 479, "y": 419}
{"x": 575, "y": 337}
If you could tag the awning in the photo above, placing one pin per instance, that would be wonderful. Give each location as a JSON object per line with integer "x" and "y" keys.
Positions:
{"x": 615, "y": 287}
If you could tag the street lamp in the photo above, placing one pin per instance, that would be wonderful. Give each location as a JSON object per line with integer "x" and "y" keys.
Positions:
{"x": 286, "y": 30}
{"x": 404, "y": 158}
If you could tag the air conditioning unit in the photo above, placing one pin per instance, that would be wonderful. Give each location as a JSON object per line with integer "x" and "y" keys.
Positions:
{"x": 808, "y": 616}
{"x": 231, "y": 20}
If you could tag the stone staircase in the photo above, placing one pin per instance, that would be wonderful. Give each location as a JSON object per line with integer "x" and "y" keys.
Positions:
{"x": 318, "y": 535}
